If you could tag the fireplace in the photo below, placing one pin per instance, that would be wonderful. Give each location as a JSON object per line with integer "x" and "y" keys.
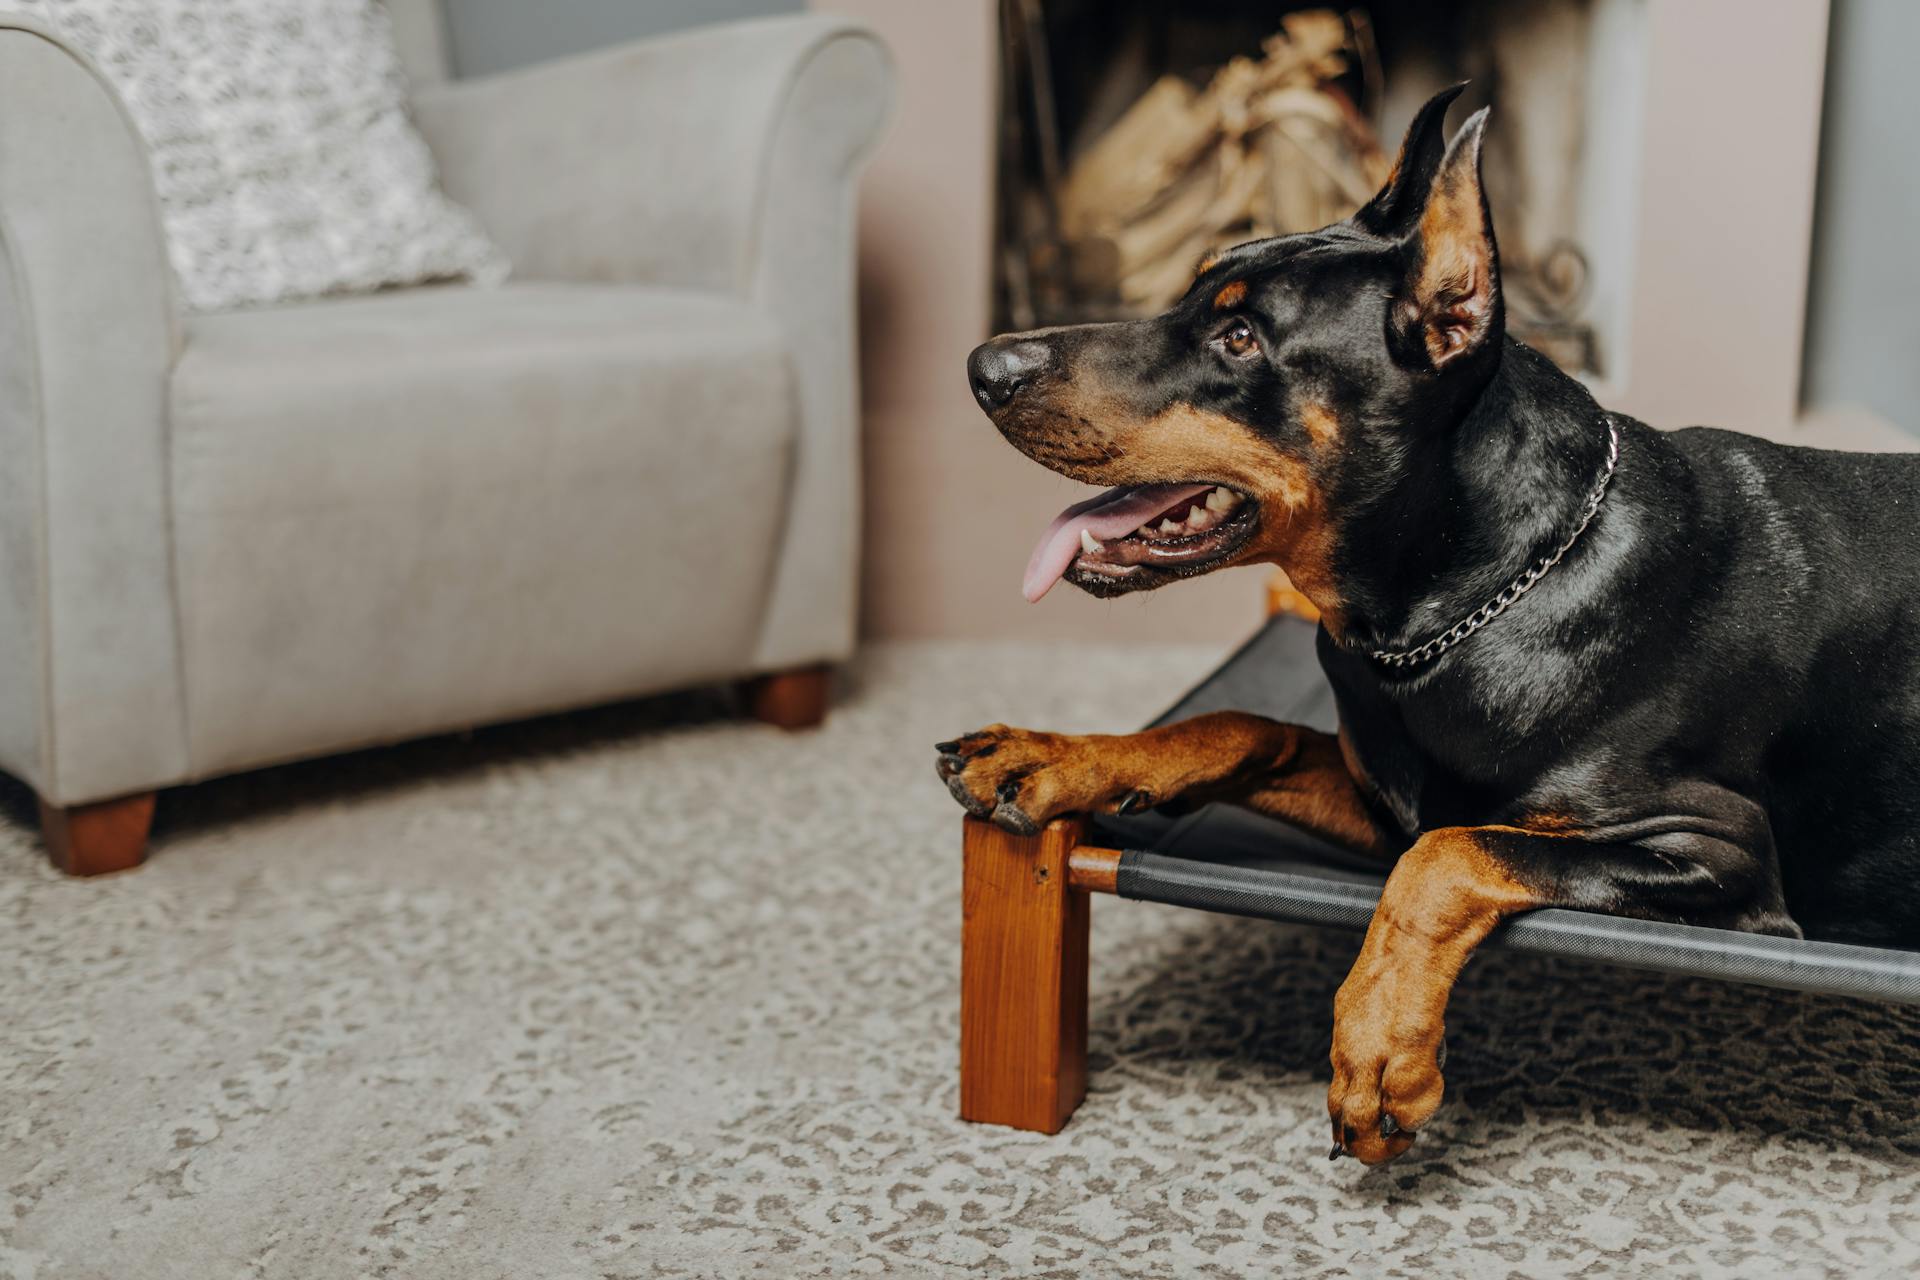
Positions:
{"x": 1136, "y": 135}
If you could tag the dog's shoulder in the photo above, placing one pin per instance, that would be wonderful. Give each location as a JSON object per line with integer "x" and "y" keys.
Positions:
{"x": 1845, "y": 495}
{"x": 1754, "y": 459}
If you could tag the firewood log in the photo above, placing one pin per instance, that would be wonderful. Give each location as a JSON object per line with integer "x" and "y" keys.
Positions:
{"x": 1269, "y": 145}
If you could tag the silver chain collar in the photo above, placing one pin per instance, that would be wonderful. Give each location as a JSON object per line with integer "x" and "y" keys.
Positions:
{"x": 1519, "y": 586}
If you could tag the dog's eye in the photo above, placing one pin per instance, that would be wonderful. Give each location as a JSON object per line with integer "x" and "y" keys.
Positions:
{"x": 1238, "y": 340}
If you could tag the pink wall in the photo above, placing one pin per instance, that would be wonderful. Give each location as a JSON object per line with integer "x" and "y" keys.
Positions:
{"x": 1725, "y": 223}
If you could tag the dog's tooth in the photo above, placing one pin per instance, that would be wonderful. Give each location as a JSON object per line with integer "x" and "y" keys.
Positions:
{"x": 1088, "y": 545}
{"x": 1168, "y": 526}
{"x": 1220, "y": 500}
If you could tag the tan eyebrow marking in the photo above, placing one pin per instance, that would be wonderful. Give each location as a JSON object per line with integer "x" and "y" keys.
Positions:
{"x": 1320, "y": 422}
{"x": 1208, "y": 263}
{"x": 1230, "y": 296}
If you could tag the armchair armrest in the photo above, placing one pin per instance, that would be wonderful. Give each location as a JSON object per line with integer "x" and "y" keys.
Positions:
{"x": 724, "y": 158}
{"x": 90, "y": 698}
{"x": 650, "y": 161}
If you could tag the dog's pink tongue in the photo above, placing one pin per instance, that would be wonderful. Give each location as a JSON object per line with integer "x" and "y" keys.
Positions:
{"x": 1113, "y": 514}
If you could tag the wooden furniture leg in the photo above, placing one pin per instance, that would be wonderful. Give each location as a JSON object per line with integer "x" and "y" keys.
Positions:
{"x": 795, "y": 699}
{"x": 1023, "y": 976}
{"x": 92, "y": 839}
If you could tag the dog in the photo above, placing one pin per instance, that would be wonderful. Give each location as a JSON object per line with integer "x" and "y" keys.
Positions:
{"x": 1578, "y": 662}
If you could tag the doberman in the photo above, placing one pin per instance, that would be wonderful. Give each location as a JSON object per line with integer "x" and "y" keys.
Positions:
{"x": 1578, "y": 662}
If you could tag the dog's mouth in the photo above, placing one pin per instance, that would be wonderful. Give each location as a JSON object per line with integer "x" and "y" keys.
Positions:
{"x": 1140, "y": 536}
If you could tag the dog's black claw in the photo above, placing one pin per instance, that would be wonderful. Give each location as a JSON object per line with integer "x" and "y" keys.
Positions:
{"x": 947, "y": 748}
{"x": 1337, "y": 1152}
{"x": 967, "y": 802}
{"x": 1009, "y": 818}
{"x": 948, "y": 765}
{"x": 1136, "y": 801}
{"x": 1388, "y": 1125}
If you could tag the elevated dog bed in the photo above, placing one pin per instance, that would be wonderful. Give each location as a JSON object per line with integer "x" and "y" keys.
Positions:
{"x": 1024, "y": 938}
{"x": 1229, "y": 860}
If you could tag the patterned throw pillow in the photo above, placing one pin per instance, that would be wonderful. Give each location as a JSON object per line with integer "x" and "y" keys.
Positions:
{"x": 281, "y": 149}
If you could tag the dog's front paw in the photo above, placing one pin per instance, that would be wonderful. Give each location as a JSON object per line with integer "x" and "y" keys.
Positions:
{"x": 1021, "y": 779}
{"x": 1389, "y": 1043}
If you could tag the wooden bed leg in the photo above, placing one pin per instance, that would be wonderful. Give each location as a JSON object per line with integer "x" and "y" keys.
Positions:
{"x": 1284, "y": 597}
{"x": 795, "y": 699}
{"x": 93, "y": 839}
{"x": 1023, "y": 978}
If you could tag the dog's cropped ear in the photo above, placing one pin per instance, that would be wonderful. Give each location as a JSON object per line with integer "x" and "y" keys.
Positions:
{"x": 1391, "y": 211}
{"x": 1450, "y": 303}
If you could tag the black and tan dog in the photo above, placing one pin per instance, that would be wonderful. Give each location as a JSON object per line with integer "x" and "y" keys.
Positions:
{"x": 1579, "y": 662}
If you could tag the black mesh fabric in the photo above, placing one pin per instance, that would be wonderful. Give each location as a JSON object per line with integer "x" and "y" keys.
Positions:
{"x": 1237, "y": 863}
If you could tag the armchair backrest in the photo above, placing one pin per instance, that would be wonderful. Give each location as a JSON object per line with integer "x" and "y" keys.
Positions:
{"x": 419, "y": 28}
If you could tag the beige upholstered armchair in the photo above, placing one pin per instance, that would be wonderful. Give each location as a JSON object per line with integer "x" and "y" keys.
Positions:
{"x": 241, "y": 538}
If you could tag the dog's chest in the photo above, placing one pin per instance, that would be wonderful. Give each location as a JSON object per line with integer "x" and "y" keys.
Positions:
{"x": 1436, "y": 761}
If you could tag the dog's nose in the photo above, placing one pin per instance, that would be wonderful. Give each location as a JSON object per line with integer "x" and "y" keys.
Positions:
{"x": 1000, "y": 367}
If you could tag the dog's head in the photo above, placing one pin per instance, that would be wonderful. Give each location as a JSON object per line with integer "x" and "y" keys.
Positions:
{"x": 1285, "y": 387}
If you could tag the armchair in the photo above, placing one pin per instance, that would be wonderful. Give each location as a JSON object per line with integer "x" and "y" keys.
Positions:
{"x": 241, "y": 538}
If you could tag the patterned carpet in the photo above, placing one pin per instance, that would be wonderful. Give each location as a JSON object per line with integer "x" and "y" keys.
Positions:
{"x": 651, "y": 992}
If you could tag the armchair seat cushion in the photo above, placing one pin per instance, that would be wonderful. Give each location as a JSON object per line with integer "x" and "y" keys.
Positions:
{"x": 453, "y": 505}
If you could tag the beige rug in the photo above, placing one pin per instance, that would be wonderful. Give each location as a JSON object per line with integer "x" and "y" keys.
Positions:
{"x": 650, "y": 992}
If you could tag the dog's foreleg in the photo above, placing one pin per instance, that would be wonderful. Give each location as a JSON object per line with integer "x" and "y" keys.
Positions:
{"x": 1021, "y": 778}
{"x": 1445, "y": 895}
